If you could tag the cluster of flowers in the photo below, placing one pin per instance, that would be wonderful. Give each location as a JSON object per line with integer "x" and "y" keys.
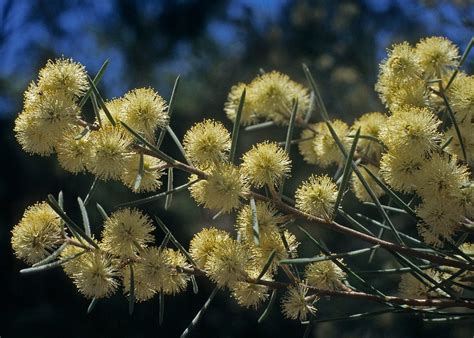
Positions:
{"x": 408, "y": 149}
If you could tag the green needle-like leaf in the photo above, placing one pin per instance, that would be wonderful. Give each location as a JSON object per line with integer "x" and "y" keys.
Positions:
{"x": 267, "y": 265}
{"x": 314, "y": 88}
{"x": 461, "y": 62}
{"x": 96, "y": 81}
{"x": 346, "y": 174}
{"x": 102, "y": 212}
{"x": 456, "y": 126}
{"x": 260, "y": 126}
{"x": 169, "y": 196}
{"x": 289, "y": 136}
{"x": 53, "y": 264}
{"x": 161, "y": 312}
{"x": 141, "y": 172}
{"x": 170, "y": 111}
{"x": 85, "y": 217}
{"x": 269, "y": 306}
{"x": 51, "y": 257}
{"x": 329, "y": 257}
{"x": 131, "y": 296}
{"x": 101, "y": 102}
{"x": 199, "y": 315}
{"x": 255, "y": 227}
{"x": 177, "y": 142}
{"x": 92, "y": 304}
{"x": 92, "y": 190}
{"x": 235, "y": 130}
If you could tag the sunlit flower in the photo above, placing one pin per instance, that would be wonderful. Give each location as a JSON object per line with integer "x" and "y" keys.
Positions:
{"x": 248, "y": 112}
{"x": 306, "y": 146}
{"x": 412, "y": 287}
{"x": 250, "y": 295}
{"x": 267, "y": 217}
{"x": 461, "y": 98}
{"x": 324, "y": 275}
{"x": 150, "y": 176}
{"x": 401, "y": 169}
{"x": 74, "y": 150}
{"x": 326, "y": 147}
{"x": 295, "y": 305}
{"x": 203, "y": 243}
{"x": 370, "y": 125}
{"x": 437, "y": 56}
{"x": 317, "y": 196}
{"x": 359, "y": 189}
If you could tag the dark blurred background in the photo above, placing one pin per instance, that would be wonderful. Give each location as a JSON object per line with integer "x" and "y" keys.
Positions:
{"x": 212, "y": 45}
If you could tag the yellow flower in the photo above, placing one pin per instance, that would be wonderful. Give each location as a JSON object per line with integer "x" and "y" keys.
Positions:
{"x": 109, "y": 152}
{"x": 96, "y": 275}
{"x": 401, "y": 169}
{"x": 267, "y": 217}
{"x": 37, "y": 234}
{"x": 203, "y": 243}
{"x": 145, "y": 111}
{"x": 412, "y": 287}
{"x": 461, "y": 98}
{"x": 227, "y": 262}
{"x": 74, "y": 151}
{"x": 411, "y": 128}
{"x": 152, "y": 172}
{"x": 143, "y": 290}
{"x": 437, "y": 56}
{"x": 221, "y": 190}
{"x": 116, "y": 110}
{"x": 266, "y": 164}
{"x": 306, "y": 147}
{"x": 64, "y": 76}
{"x": 207, "y": 143}
{"x": 467, "y": 134}
{"x": 324, "y": 275}
{"x": 274, "y": 93}
{"x": 326, "y": 147}
{"x": 295, "y": 305}
{"x": 125, "y": 232}
{"x": 250, "y": 295}
{"x": 232, "y": 104}
{"x": 317, "y": 196}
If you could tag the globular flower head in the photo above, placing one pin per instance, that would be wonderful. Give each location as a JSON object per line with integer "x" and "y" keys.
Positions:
{"x": 411, "y": 128}
{"x": 96, "y": 275}
{"x": 143, "y": 291}
{"x": 221, "y": 190}
{"x": 125, "y": 232}
{"x": 412, "y": 287}
{"x": 203, "y": 243}
{"x": 37, "y": 234}
{"x": 64, "y": 76}
{"x": 150, "y": 175}
{"x": 274, "y": 93}
{"x": 442, "y": 177}
{"x": 467, "y": 134}
{"x": 326, "y": 147}
{"x": 324, "y": 275}
{"x": 145, "y": 111}
{"x": 317, "y": 196}
{"x": 370, "y": 125}
{"x": 295, "y": 305}
{"x": 232, "y": 104}
{"x": 227, "y": 263}
{"x": 74, "y": 150}
{"x": 402, "y": 64}
{"x": 467, "y": 199}
{"x": 267, "y": 217}
{"x": 359, "y": 189}
{"x": 461, "y": 98}
{"x": 39, "y": 128}
{"x": 109, "y": 152}
{"x": 207, "y": 143}
{"x": 266, "y": 164}
{"x": 116, "y": 109}
{"x": 414, "y": 93}
{"x": 176, "y": 281}
{"x": 437, "y": 56}
{"x": 250, "y": 295}
{"x": 401, "y": 169}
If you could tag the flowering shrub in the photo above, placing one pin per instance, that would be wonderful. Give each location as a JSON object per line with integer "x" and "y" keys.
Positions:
{"x": 416, "y": 158}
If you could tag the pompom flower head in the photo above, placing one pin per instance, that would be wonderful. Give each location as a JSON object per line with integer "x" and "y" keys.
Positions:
{"x": 74, "y": 151}
{"x": 370, "y": 125}
{"x": 203, "y": 243}
{"x": 274, "y": 93}
{"x": 306, "y": 146}
{"x": 150, "y": 177}
{"x": 295, "y": 305}
{"x": 317, "y": 196}
{"x": 266, "y": 164}
{"x": 207, "y": 143}
{"x": 125, "y": 232}
{"x": 401, "y": 169}
{"x": 326, "y": 147}
{"x": 250, "y": 295}
{"x": 145, "y": 111}
{"x": 437, "y": 56}
{"x": 359, "y": 189}
{"x": 37, "y": 234}
{"x": 64, "y": 76}
{"x": 267, "y": 217}
{"x": 461, "y": 97}
{"x": 221, "y": 190}
{"x": 324, "y": 275}
{"x": 232, "y": 104}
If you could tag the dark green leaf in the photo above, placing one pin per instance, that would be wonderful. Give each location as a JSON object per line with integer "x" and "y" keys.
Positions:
{"x": 269, "y": 306}
{"x": 92, "y": 190}
{"x": 131, "y": 295}
{"x": 169, "y": 196}
{"x": 162, "y": 308}
{"x": 199, "y": 315}
{"x": 170, "y": 111}
{"x": 140, "y": 173}
{"x": 255, "y": 227}
{"x": 102, "y": 212}
{"x": 52, "y": 265}
{"x": 91, "y": 306}
{"x": 96, "y": 81}
{"x": 101, "y": 102}
{"x": 267, "y": 265}
{"x": 85, "y": 217}
{"x": 235, "y": 130}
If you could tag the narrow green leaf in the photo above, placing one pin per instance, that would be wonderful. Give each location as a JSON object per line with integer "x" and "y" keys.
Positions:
{"x": 390, "y": 193}
{"x": 260, "y": 126}
{"x": 161, "y": 155}
{"x": 165, "y": 241}
{"x": 267, "y": 265}
{"x": 85, "y": 217}
{"x": 131, "y": 296}
{"x": 51, "y": 257}
{"x": 92, "y": 190}
{"x": 235, "y": 130}
{"x": 346, "y": 174}
{"x": 387, "y": 207}
{"x": 140, "y": 173}
{"x": 170, "y": 111}
{"x": 73, "y": 227}
{"x": 216, "y": 216}
{"x": 361, "y": 315}
{"x": 95, "y": 107}
{"x": 177, "y": 142}
{"x": 308, "y": 330}
{"x": 461, "y": 62}
{"x": 102, "y": 212}
{"x": 289, "y": 136}
{"x": 372, "y": 252}
{"x": 199, "y": 315}
{"x": 92, "y": 304}
{"x": 356, "y": 224}
{"x": 157, "y": 196}
{"x": 309, "y": 112}
{"x": 255, "y": 227}
{"x": 96, "y": 81}
{"x": 446, "y": 143}
{"x": 161, "y": 312}
{"x": 101, "y": 102}
{"x": 444, "y": 282}
{"x": 195, "y": 285}
{"x": 269, "y": 306}
{"x": 61, "y": 200}
{"x": 328, "y": 257}
{"x": 52, "y": 265}
{"x": 395, "y": 270}
{"x": 175, "y": 241}
{"x": 169, "y": 197}
{"x": 314, "y": 87}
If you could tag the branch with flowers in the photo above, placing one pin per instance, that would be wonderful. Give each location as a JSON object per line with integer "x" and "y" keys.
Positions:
{"x": 414, "y": 162}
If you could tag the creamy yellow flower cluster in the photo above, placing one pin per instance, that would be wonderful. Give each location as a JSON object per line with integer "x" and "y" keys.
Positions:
{"x": 52, "y": 122}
